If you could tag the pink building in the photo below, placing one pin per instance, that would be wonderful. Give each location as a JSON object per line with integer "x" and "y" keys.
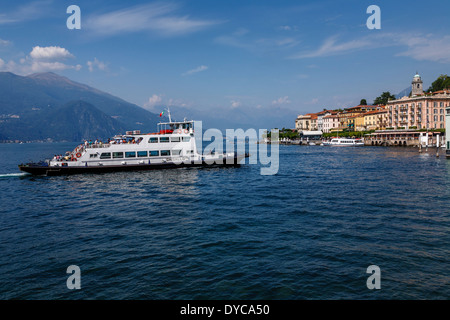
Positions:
{"x": 330, "y": 122}
{"x": 421, "y": 110}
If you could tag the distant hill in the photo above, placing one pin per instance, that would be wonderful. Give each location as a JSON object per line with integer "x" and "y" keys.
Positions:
{"x": 47, "y": 98}
{"x": 403, "y": 93}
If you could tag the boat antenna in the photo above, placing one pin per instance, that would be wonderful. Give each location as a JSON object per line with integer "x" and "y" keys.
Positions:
{"x": 168, "y": 114}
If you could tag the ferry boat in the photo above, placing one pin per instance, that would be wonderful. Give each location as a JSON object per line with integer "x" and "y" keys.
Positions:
{"x": 345, "y": 142}
{"x": 172, "y": 146}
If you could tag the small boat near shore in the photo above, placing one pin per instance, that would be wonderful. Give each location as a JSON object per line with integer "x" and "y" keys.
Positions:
{"x": 344, "y": 142}
{"x": 172, "y": 146}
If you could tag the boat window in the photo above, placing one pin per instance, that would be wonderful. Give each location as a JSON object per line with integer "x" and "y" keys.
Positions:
{"x": 164, "y": 139}
{"x": 93, "y": 155}
{"x": 154, "y": 153}
{"x": 117, "y": 155}
{"x": 165, "y": 152}
{"x": 153, "y": 140}
{"x": 175, "y": 139}
{"x": 130, "y": 154}
{"x": 186, "y": 139}
{"x": 105, "y": 155}
{"x": 142, "y": 154}
{"x": 176, "y": 152}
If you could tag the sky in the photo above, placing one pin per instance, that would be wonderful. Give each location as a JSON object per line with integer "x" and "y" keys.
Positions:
{"x": 240, "y": 63}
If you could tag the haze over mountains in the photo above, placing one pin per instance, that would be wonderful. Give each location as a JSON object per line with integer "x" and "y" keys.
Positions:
{"x": 48, "y": 106}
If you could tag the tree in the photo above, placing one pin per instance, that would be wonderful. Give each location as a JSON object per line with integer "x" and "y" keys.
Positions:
{"x": 442, "y": 82}
{"x": 363, "y": 102}
{"x": 384, "y": 98}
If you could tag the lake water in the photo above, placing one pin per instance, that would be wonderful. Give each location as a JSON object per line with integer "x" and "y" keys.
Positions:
{"x": 309, "y": 232}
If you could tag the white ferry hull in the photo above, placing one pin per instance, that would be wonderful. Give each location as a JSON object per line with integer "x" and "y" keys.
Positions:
{"x": 44, "y": 169}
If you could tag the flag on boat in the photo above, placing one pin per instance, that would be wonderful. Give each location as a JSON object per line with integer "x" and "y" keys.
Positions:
{"x": 161, "y": 114}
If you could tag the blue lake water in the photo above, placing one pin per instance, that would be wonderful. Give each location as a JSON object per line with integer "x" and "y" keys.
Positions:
{"x": 309, "y": 232}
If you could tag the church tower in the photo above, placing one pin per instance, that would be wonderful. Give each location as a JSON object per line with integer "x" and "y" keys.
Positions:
{"x": 417, "y": 85}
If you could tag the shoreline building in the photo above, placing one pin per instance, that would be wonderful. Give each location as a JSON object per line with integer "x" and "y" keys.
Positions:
{"x": 307, "y": 122}
{"x": 420, "y": 110}
{"x": 447, "y": 131}
{"x": 331, "y": 122}
{"x": 376, "y": 120}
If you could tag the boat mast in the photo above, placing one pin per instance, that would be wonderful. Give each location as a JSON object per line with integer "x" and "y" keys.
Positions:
{"x": 168, "y": 113}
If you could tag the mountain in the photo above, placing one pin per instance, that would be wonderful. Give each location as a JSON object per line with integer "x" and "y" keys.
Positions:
{"x": 75, "y": 121}
{"x": 403, "y": 93}
{"x": 42, "y": 96}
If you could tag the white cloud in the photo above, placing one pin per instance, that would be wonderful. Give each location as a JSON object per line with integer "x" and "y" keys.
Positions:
{"x": 42, "y": 66}
{"x": 50, "y": 53}
{"x": 159, "y": 18}
{"x": 416, "y": 46}
{"x": 198, "y": 69}
{"x": 96, "y": 64}
{"x": 242, "y": 39}
{"x": 30, "y": 11}
{"x": 2, "y": 63}
{"x": 285, "y": 28}
{"x": 42, "y": 59}
{"x": 152, "y": 101}
{"x": 426, "y": 48}
{"x": 4, "y": 43}
{"x": 235, "y": 104}
{"x": 281, "y": 100}
{"x": 331, "y": 47}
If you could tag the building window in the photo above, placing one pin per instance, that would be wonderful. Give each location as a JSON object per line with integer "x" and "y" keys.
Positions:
{"x": 435, "y": 111}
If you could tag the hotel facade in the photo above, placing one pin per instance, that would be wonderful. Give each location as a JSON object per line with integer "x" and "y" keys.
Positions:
{"x": 420, "y": 110}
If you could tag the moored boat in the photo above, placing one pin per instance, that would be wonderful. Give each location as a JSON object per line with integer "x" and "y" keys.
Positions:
{"x": 344, "y": 142}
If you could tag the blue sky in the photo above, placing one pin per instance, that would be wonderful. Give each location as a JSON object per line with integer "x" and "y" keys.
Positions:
{"x": 243, "y": 63}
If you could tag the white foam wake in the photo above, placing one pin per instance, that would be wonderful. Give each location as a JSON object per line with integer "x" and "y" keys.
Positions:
{"x": 6, "y": 175}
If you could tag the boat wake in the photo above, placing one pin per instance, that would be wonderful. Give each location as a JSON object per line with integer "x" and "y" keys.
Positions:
{"x": 8, "y": 175}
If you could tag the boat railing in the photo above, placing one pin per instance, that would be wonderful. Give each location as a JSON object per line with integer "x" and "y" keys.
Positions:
{"x": 98, "y": 145}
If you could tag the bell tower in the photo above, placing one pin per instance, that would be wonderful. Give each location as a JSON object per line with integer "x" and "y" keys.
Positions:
{"x": 417, "y": 85}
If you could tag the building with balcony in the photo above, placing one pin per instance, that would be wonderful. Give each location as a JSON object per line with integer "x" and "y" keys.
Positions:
{"x": 376, "y": 120}
{"x": 307, "y": 122}
{"x": 447, "y": 131}
{"x": 331, "y": 122}
{"x": 420, "y": 110}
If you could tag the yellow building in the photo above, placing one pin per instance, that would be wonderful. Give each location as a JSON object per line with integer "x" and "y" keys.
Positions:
{"x": 376, "y": 120}
{"x": 356, "y": 122}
